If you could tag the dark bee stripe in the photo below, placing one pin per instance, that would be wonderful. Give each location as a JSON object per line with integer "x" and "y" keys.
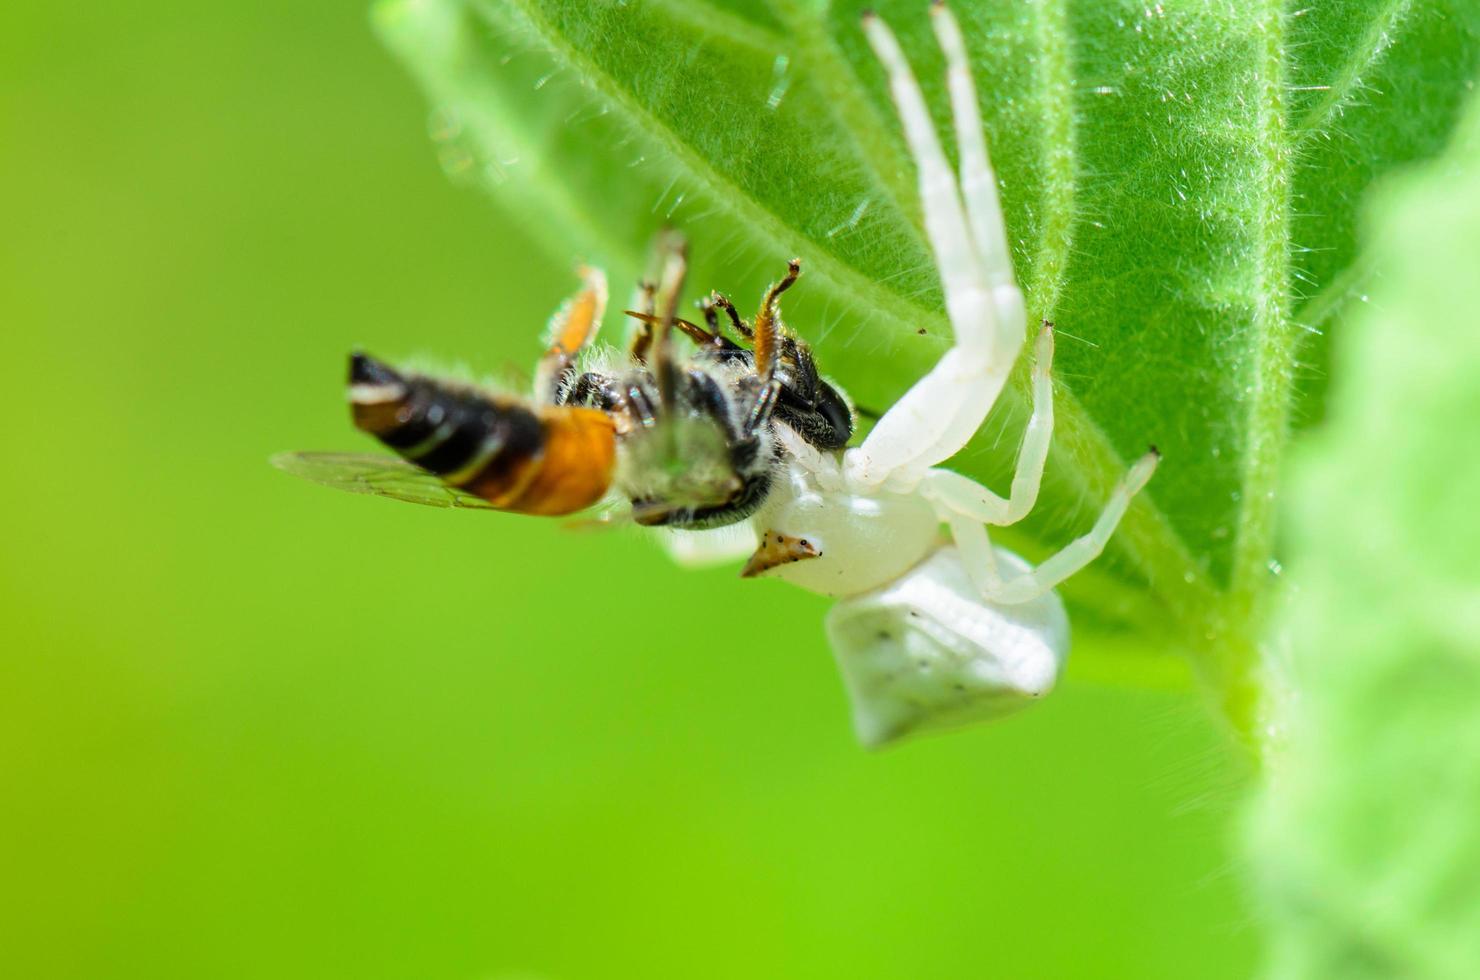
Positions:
{"x": 418, "y": 417}
{"x": 467, "y": 422}
{"x": 443, "y": 429}
{"x": 520, "y": 436}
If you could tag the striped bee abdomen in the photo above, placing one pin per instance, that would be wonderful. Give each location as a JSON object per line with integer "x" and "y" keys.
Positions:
{"x": 552, "y": 460}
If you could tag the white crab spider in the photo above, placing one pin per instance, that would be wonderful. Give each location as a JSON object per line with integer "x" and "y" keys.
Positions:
{"x": 929, "y": 635}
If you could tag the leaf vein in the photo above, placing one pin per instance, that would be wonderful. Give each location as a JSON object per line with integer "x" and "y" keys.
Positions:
{"x": 1060, "y": 158}
{"x": 1272, "y": 366}
{"x": 1347, "y": 81}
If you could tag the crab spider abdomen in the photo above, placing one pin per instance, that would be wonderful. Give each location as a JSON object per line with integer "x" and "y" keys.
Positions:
{"x": 839, "y": 543}
{"x": 927, "y": 652}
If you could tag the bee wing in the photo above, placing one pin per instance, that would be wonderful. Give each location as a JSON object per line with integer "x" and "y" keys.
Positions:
{"x": 382, "y": 476}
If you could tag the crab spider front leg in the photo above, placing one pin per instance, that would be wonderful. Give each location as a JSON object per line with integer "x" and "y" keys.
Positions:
{"x": 968, "y": 497}
{"x": 978, "y": 183}
{"x": 943, "y": 410}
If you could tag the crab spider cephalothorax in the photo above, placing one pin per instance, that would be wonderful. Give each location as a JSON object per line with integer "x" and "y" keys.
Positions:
{"x": 930, "y": 635}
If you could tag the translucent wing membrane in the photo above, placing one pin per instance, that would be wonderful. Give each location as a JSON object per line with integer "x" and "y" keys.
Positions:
{"x": 381, "y": 476}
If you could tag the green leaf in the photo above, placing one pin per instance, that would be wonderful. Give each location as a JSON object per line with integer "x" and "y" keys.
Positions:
{"x": 1179, "y": 183}
{"x": 1368, "y": 840}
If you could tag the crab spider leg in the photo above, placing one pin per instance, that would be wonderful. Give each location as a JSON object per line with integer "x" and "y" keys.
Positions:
{"x": 960, "y": 494}
{"x": 1079, "y": 552}
{"x": 572, "y": 327}
{"x": 940, "y": 413}
{"x": 975, "y": 548}
{"x": 820, "y": 465}
{"x": 1033, "y": 454}
{"x": 978, "y": 183}
{"x": 945, "y": 223}
{"x": 954, "y": 494}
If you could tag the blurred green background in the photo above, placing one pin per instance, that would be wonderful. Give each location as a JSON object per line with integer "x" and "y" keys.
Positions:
{"x": 253, "y": 728}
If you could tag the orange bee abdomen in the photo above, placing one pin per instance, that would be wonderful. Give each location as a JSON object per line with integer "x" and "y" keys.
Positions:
{"x": 550, "y": 461}
{"x": 575, "y": 469}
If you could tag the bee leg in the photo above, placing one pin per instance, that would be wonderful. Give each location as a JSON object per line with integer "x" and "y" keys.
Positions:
{"x": 572, "y": 327}
{"x": 711, "y": 341}
{"x": 657, "y": 299}
{"x": 709, "y": 398}
{"x": 591, "y": 390}
{"x": 722, "y": 302}
{"x": 639, "y": 405}
{"x": 674, "y": 250}
{"x": 762, "y": 410}
{"x": 646, "y": 317}
{"x": 711, "y": 314}
{"x": 768, "y": 330}
{"x": 749, "y": 458}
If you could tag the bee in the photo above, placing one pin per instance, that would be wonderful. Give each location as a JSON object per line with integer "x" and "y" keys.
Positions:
{"x": 688, "y": 442}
